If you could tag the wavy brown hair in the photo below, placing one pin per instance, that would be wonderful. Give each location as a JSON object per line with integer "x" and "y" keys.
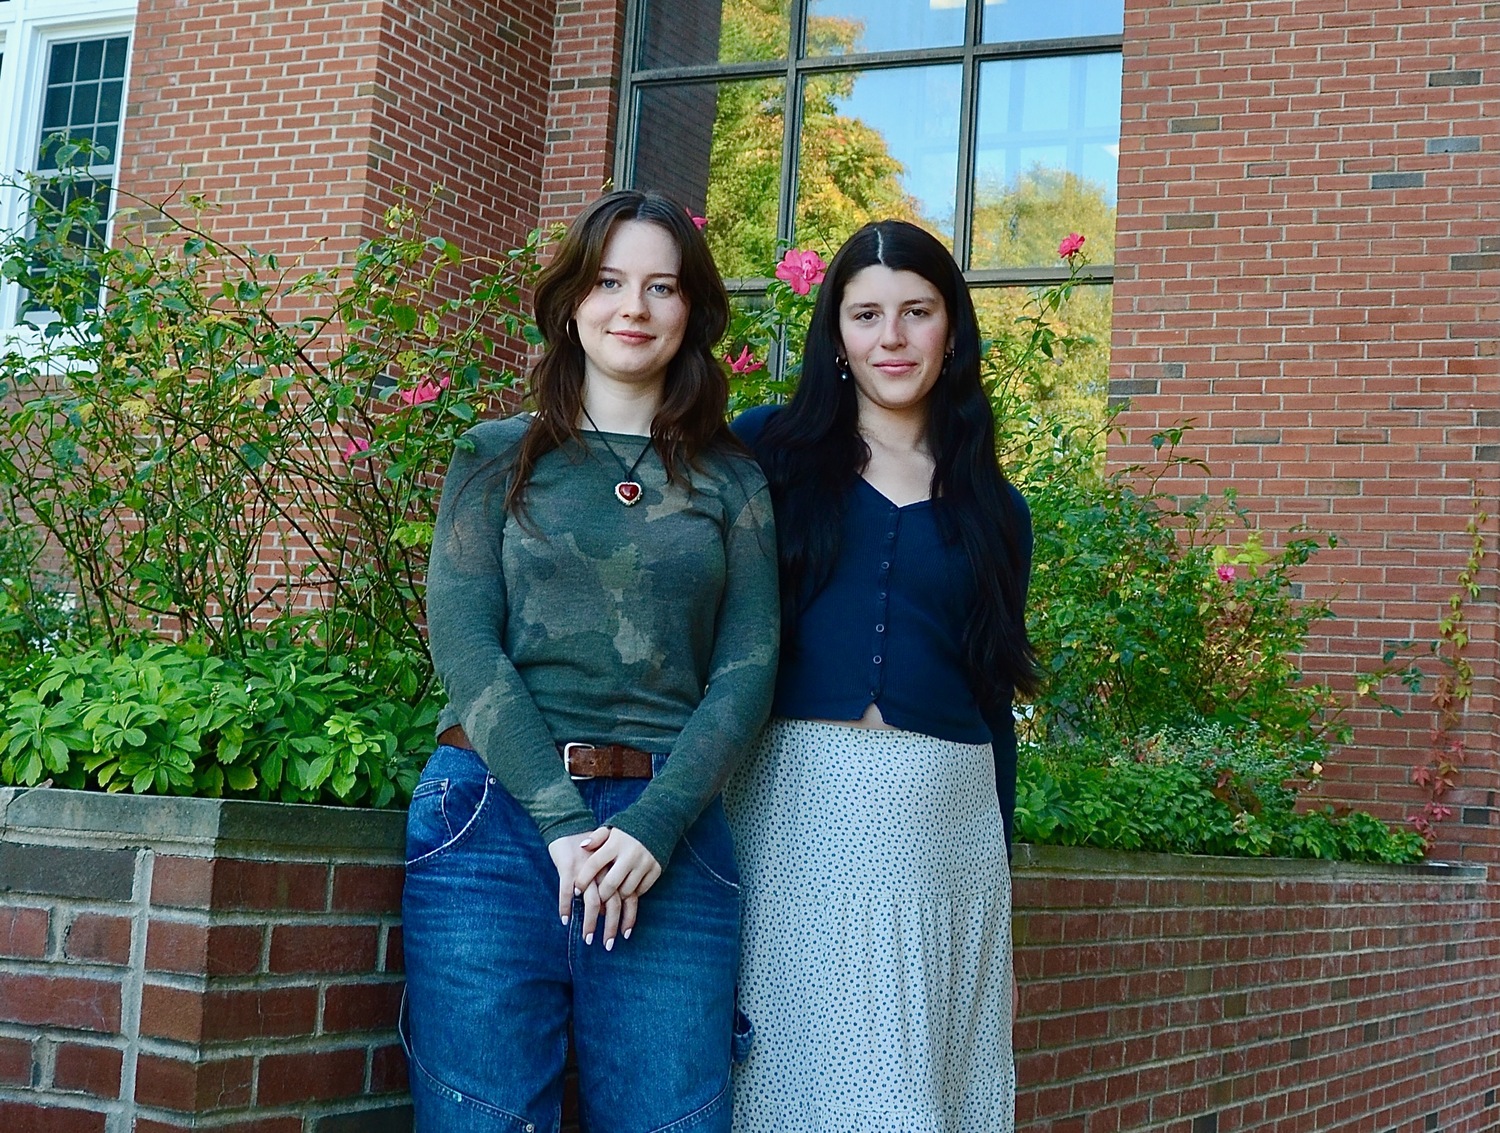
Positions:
{"x": 690, "y": 420}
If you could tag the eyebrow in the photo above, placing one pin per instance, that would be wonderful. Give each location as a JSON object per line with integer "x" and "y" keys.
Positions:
{"x": 622, "y": 271}
{"x": 925, "y": 302}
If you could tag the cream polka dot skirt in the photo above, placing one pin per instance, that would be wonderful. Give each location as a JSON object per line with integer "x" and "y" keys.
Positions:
{"x": 876, "y": 946}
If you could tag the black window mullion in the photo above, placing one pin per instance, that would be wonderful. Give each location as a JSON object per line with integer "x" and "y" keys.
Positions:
{"x": 791, "y": 118}
{"x": 963, "y": 196}
{"x": 629, "y": 111}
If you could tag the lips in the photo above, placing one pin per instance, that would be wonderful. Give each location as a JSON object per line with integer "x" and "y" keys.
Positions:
{"x": 635, "y": 338}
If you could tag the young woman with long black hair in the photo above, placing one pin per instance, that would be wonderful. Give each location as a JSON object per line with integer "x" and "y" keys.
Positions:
{"x": 602, "y": 610}
{"x": 873, "y": 818}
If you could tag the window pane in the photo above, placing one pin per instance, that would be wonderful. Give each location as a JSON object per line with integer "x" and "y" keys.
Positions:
{"x": 1006, "y": 21}
{"x": 55, "y": 109}
{"x": 716, "y": 147}
{"x": 1076, "y": 385}
{"x": 61, "y": 67}
{"x": 114, "y": 58}
{"x": 842, "y": 27}
{"x": 91, "y": 59}
{"x": 1047, "y": 158}
{"x": 110, "y": 97}
{"x": 680, "y": 33}
{"x": 877, "y": 144}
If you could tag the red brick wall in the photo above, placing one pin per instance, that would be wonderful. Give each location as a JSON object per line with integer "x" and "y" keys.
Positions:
{"x": 1202, "y": 995}
{"x": 158, "y": 975}
{"x": 582, "y": 109}
{"x": 299, "y": 119}
{"x": 1307, "y": 269}
{"x": 263, "y": 107}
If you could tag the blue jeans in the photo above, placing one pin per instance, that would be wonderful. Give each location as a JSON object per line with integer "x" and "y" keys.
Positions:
{"x": 493, "y": 976}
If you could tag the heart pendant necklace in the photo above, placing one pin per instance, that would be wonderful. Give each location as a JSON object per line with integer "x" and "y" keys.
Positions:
{"x": 628, "y": 490}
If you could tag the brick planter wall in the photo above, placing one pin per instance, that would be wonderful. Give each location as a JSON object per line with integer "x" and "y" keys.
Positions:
{"x": 1204, "y": 995}
{"x": 173, "y": 964}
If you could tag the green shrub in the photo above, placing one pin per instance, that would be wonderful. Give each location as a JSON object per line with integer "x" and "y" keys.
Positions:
{"x": 36, "y": 611}
{"x": 190, "y": 418}
{"x": 1152, "y": 611}
{"x": 1202, "y": 790}
{"x": 287, "y": 721}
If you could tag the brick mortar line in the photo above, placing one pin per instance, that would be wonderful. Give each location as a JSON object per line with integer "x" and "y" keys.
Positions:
{"x": 271, "y": 1046}
{"x": 1455, "y": 984}
{"x": 131, "y": 989}
{"x": 1417, "y": 1074}
{"x": 270, "y": 981}
{"x": 1336, "y": 1052}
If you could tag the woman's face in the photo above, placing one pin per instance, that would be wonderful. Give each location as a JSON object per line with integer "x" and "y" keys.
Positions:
{"x": 894, "y": 327}
{"x": 632, "y": 318}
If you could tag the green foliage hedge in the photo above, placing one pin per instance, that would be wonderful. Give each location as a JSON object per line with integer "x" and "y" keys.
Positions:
{"x": 215, "y": 397}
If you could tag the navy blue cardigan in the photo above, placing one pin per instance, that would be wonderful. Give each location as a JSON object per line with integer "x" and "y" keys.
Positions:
{"x": 887, "y": 629}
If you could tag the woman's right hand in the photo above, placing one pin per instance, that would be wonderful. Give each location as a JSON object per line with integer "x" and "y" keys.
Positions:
{"x": 568, "y": 855}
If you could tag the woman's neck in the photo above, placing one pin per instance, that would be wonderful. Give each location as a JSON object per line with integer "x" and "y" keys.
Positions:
{"x": 903, "y": 430}
{"x": 617, "y": 407}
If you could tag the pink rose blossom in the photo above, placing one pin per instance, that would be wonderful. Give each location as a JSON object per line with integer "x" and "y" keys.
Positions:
{"x": 744, "y": 364}
{"x": 699, "y": 222}
{"x": 1071, "y": 245}
{"x": 1226, "y": 573}
{"x": 801, "y": 271}
{"x": 356, "y": 448}
{"x": 424, "y": 391}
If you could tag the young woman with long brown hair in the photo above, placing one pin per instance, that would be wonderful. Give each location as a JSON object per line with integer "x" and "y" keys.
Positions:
{"x": 602, "y": 608}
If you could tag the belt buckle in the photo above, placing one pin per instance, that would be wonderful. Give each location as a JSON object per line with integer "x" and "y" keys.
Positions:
{"x": 568, "y": 759}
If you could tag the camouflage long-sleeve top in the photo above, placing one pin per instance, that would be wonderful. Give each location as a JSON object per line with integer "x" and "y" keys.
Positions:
{"x": 653, "y": 626}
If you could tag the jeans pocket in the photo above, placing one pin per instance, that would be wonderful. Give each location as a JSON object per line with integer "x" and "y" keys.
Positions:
{"x": 446, "y": 805}
{"x": 709, "y": 845}
{"x": 741, "y": 1037}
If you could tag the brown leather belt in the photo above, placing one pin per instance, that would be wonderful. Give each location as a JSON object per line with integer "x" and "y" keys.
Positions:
{"x": 583, "y": 761}
{"x": 607, "y": 761}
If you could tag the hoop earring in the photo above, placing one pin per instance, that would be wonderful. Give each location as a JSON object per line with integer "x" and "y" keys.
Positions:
{"x": 842, "y": 365}
{"x": 573, "y": 332}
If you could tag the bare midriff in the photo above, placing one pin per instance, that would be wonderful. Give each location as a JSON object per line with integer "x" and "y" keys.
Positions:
{"x": 871, "y": 719}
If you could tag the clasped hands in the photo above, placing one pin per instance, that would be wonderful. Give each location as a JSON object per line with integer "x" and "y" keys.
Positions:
{"x": 611, "y": 871}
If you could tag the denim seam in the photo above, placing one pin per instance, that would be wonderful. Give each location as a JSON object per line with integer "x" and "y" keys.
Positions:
{"x": 698, "y": 1116}
{"x": 463, "y": 835}
{"x": 403, "y": 1030}
{"x": 457, "y": 1097}
{"x": 708, "y": 869}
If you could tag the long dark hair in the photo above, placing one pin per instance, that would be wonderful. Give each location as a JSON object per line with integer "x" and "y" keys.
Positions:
{"x": 690, "y": 420}
{"x": 812, "y": 452}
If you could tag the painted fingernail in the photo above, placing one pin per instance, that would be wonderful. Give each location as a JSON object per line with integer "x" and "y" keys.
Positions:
{"x": 609, "y": 945}
{"x": 577, "y": 892}
{"x": 588, "y": 938}
{"x": 565, "y": 920}
{"x": 627, "y": 933}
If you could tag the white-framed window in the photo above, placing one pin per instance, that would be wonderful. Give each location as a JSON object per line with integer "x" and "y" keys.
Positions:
{"x": 64, "y": 71}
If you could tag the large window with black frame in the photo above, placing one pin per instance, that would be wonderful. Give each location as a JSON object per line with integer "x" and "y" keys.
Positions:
{"x": 995, "y": 124}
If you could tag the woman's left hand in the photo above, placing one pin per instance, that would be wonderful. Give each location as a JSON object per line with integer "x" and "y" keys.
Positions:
{"x": 616, "y": 865}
